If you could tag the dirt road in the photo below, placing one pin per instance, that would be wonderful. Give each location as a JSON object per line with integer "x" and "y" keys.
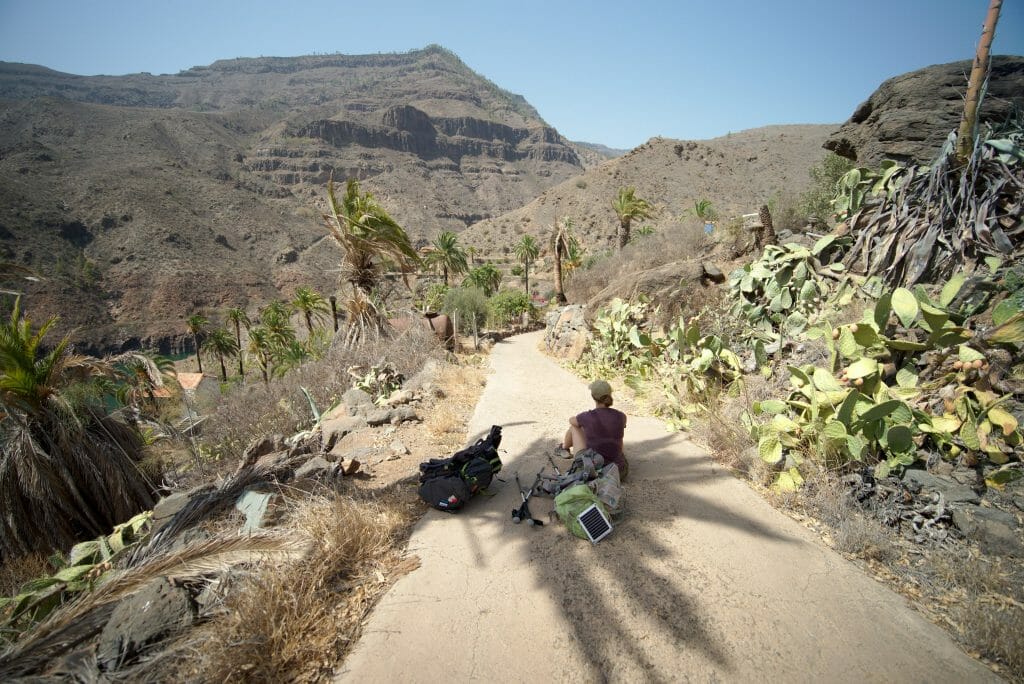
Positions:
{"x": 702, "y": 581}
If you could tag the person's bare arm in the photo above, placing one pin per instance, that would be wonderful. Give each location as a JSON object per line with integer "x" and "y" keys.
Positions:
{"x": 572, "y": 421}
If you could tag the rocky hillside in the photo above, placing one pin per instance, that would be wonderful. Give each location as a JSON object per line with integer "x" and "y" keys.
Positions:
{"x": 909, "y": 117}
{"x": 142, "y": 199}
{"x": 737, "y": 173}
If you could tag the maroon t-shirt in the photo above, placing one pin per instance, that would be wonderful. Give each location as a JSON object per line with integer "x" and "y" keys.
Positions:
{"x": 603, "y": 429}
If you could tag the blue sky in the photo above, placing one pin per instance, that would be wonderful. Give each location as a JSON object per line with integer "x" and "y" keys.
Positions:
{"x": 615, "y": 73}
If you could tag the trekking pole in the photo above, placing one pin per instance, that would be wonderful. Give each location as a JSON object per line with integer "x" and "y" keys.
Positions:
{"x": 523, "y": 512}
{"x": 552, "y": 462}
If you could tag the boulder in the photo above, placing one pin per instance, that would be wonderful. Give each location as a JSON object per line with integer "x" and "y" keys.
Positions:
{"x": 400, "y": 397}
{"x": 424, "y": 379}
{"x": 380, "y": 416}
{"x": 357, "y": 401}
{"x": 398, "y": 448}
{"x": 403, "y": 414}
{"x": 996, "y": 531}
{"x": 259, "y": 508}
{"x": 315, "y": 468}
{"x": 155, "y": 612}
{"x": 169, "y": 506}
{"x": 952, "y": 491}
{"x": 333, "y": 431}
{"x": 909, "y": 117}
{"x": 567, "y": 332}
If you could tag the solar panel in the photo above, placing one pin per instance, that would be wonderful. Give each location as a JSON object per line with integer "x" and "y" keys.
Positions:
{"x": 594, "y": 523}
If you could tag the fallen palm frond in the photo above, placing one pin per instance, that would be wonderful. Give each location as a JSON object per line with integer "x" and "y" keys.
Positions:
{"x": 204, "y": 505}
{"x": 85, "y": 617}
{"x": 947, "y": 218}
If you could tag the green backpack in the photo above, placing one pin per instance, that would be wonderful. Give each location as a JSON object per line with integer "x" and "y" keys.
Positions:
{"x": 573, "y": 501}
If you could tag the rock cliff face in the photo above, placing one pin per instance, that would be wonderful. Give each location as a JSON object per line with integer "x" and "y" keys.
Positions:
{"x": 143, "y": 199}
{"x": 909, "y": 117}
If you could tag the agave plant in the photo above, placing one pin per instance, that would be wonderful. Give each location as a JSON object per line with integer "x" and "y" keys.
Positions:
{"x": 945, "y": 218}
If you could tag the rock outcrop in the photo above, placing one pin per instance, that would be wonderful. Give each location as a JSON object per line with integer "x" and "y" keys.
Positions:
{"x": 909, "y": 117}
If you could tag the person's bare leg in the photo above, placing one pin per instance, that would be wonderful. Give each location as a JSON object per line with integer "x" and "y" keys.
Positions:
{"x": 574, "y": 437}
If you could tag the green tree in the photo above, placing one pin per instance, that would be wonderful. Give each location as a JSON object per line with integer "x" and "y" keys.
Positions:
{"x": 507, "y": 306}
{"x": 446, "y": 254}
{"x": 220, "y": 343}
{"x": 526, "y": 251}
{"x": 238, "y": 318}
{"x": 467, "y": 306}
{"x": 260, "y": 349}
{"x": 197, "y": 326}
{"x": 275, "y": 318}
{"x": 485, "y": 277}
{"x": 312, "y": 306}
{"x": 140, "y": 376}
{"x": 628, "y": 207}
{"x": 69, "y": 466}
{"x": 289, "y": 357}
{"x": 369, "y": 237}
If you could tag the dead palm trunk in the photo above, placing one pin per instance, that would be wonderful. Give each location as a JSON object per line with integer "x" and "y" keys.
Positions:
{"x": 238, "y": 341}
{"x": 979, "y": 72}
{"x": 199, "y": 359}
{"x": 559, "y": 288}
{"x": 623, "y": 232}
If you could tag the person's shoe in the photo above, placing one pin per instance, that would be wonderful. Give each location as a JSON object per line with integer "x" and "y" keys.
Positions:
{"x": 561, "y": 452}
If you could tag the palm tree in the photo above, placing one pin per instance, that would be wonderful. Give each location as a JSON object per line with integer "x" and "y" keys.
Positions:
{"x": 472, "y": 251}
{"x": 260, "y": 347}
{"x": 312, "y": 306}
{"x": 197, "y": 326}
{"x": 69, "y": 465}
{"x": 369, "y": 236}
{"x": 485, "y": 277}
{"x": 563, "y": 243}
{"x": 238, "y": 318}
{"x": 628, "y": 207}
{"x": 221, "y": 343}
{"x": 526, "y": 250}
{"x": 275, "y": 317}
{"x": 290, "y": 356}
{"x": 446, "y": 254}
{"x": 140, "y": 376}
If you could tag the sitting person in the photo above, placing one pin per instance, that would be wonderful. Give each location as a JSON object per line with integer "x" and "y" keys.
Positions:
{"x": 600, "y": 429}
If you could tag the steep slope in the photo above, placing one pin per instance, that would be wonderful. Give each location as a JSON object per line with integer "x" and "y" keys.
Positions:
{"x": 737, "y": 173}
{"x": 142, "y": 199}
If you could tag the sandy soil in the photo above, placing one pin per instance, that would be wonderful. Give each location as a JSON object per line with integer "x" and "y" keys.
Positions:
{"x": 702, "y": 580}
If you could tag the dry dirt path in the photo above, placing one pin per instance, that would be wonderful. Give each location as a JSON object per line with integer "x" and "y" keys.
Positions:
{"x": 702, "y": 581}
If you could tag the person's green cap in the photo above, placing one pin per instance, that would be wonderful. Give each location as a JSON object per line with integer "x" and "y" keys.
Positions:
{"x": 599, "y": 389}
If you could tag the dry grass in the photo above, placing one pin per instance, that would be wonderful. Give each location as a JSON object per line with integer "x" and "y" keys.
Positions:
{"x": 280, "y": 406}
{"x": 446, "y": 426}
{"x": 985, "y": 598}
{"x": 14, "y": 572}
{"x": 295, "y": 622}
{"x": 684, "y": 240}
{"x": 722, "y": 433}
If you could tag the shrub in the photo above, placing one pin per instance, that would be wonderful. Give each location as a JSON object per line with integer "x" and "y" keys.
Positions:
{"x": 507, "y": 306}
{"x": 817, "y": 201}
{"x": 464, "y": 304}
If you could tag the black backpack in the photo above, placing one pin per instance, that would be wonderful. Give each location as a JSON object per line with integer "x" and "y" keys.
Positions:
{"x": 447, "y": 483}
